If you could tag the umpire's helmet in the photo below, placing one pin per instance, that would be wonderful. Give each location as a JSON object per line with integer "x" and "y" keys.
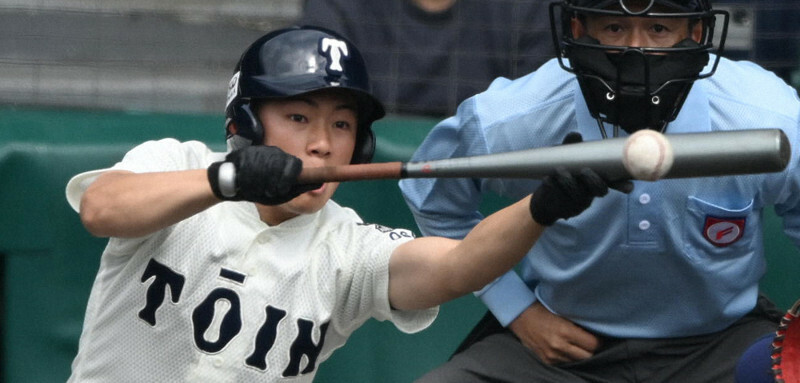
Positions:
{"x": 683, "y": 5}
{"x": 637, "y": 87}
{"x": 293, "y": 61}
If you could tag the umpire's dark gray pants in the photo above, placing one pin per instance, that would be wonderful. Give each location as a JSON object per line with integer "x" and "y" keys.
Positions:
{"x": 494, "y": 354}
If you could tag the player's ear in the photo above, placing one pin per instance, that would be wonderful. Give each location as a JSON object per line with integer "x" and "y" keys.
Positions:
{"x": 696, "y": 31}
{"x": 231, "y": 128}
{"x": 577, "y": 26}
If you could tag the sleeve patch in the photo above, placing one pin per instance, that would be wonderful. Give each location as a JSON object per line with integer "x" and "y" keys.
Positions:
{"x": 393, "y": 234}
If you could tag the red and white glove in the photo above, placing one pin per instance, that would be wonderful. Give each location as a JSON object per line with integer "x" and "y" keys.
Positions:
{"x": 786, "y": 348}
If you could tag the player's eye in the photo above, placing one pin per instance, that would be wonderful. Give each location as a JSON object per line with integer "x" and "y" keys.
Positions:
{"x": 613, "y": 28}
{"x": 342, "y": 125}
{"x": 659, "y": 28}
{"x": 298, "y": 118}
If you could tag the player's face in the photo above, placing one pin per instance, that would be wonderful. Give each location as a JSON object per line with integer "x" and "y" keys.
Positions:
{"x": 639, "y": 32}
{"x": 320, "y": 129}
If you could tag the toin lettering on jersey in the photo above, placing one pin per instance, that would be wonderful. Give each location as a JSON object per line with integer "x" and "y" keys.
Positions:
{"x": 165, "y": 279}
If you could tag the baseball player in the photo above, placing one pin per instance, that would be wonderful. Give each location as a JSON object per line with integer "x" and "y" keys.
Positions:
{"x": 222, "y": 268}
{"x": 659, "y": 285}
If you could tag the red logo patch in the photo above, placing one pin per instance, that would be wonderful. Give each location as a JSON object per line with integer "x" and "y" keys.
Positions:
{"x": 723, "y": 232}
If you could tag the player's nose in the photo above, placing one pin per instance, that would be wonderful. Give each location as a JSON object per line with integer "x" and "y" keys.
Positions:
{"x": 319, "y": 141}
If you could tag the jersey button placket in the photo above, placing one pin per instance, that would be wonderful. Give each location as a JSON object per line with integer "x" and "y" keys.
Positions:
{"x": 262, "y": 243}
{"x": 644, "y": 199}
{"x": 641, "y": 211}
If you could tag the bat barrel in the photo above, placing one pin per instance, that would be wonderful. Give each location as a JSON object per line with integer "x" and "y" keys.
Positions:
{"x": 602, "y": 155}
{"x": 729, "y": 153}
{"x": 695, "y": 155}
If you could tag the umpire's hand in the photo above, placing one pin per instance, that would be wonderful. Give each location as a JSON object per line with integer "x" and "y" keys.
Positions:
{"x": 262, "y": 174}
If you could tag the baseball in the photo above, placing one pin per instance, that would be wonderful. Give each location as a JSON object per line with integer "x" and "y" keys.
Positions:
{"x": 647, "y": 155}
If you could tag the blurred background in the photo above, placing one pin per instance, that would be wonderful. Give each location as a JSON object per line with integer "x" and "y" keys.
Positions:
{"x": 144, "y": 55}
{"x": 177, "y": 55}
{"x": 83, "y": 81}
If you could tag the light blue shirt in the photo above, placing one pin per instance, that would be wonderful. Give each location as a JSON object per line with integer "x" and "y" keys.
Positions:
{"x": 636, "y": 265}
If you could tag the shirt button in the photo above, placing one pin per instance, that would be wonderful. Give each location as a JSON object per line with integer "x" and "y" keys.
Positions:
{"x": 218, "y": 362}
{"x": 644, "y": 225}
{"x": 644, "y": 199}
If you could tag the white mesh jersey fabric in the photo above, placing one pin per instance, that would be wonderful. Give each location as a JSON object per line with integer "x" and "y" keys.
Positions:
{"x": 223, "y": 297}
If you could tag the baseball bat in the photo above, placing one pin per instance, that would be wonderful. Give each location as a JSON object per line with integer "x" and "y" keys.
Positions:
{"x": 706, "y": 154}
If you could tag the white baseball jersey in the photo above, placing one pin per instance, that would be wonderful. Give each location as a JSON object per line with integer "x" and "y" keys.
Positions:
{"x": 223, "y": 297}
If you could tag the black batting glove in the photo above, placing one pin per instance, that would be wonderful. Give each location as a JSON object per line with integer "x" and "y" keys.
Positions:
{"x": 565, "y": 195}
{"x": 261, "y": 174}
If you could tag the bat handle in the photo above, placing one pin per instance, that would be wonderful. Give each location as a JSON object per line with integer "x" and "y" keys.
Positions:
{"x": 383, "y": 170}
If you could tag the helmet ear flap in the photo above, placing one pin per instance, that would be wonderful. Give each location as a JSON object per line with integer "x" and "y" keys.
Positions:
{"x": 365, "y": 146}
{"x": 243, "y": 126}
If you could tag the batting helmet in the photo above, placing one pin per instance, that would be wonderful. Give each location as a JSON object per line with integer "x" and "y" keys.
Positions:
{"x": 294, "y": 61}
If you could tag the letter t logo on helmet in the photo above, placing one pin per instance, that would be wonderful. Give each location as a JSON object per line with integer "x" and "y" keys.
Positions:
{"x": 334, "y": 50}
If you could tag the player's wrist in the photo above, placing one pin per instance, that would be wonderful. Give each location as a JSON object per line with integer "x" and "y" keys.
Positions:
{"x": 222, "y": 178}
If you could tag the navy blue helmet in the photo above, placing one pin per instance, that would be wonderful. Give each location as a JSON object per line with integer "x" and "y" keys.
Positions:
{"x": 293, "y": 61}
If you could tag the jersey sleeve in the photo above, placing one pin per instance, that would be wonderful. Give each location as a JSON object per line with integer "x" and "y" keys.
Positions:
{"x": 449, "y": 207}
{"x": 364, "y": 293}
{"x": 152, "y": 156}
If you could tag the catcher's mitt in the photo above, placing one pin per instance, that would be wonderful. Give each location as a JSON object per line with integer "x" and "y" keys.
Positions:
{"x": 786, "y": 348}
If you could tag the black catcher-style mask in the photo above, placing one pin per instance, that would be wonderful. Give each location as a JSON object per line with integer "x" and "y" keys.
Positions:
{"x": 293, "y": 61}
{"x": 636, "y": 88}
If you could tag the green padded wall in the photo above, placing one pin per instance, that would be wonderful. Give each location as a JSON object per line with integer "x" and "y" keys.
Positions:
{"x": 782, "y": 282}
{"x": 48, "y": 261}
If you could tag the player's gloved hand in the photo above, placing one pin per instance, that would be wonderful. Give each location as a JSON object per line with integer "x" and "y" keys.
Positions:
{"x": 565, "y": 195}
{"x": 262, "y": 174}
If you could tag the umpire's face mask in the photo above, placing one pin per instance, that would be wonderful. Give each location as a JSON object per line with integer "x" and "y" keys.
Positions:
{"x": 635, "y": 89}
